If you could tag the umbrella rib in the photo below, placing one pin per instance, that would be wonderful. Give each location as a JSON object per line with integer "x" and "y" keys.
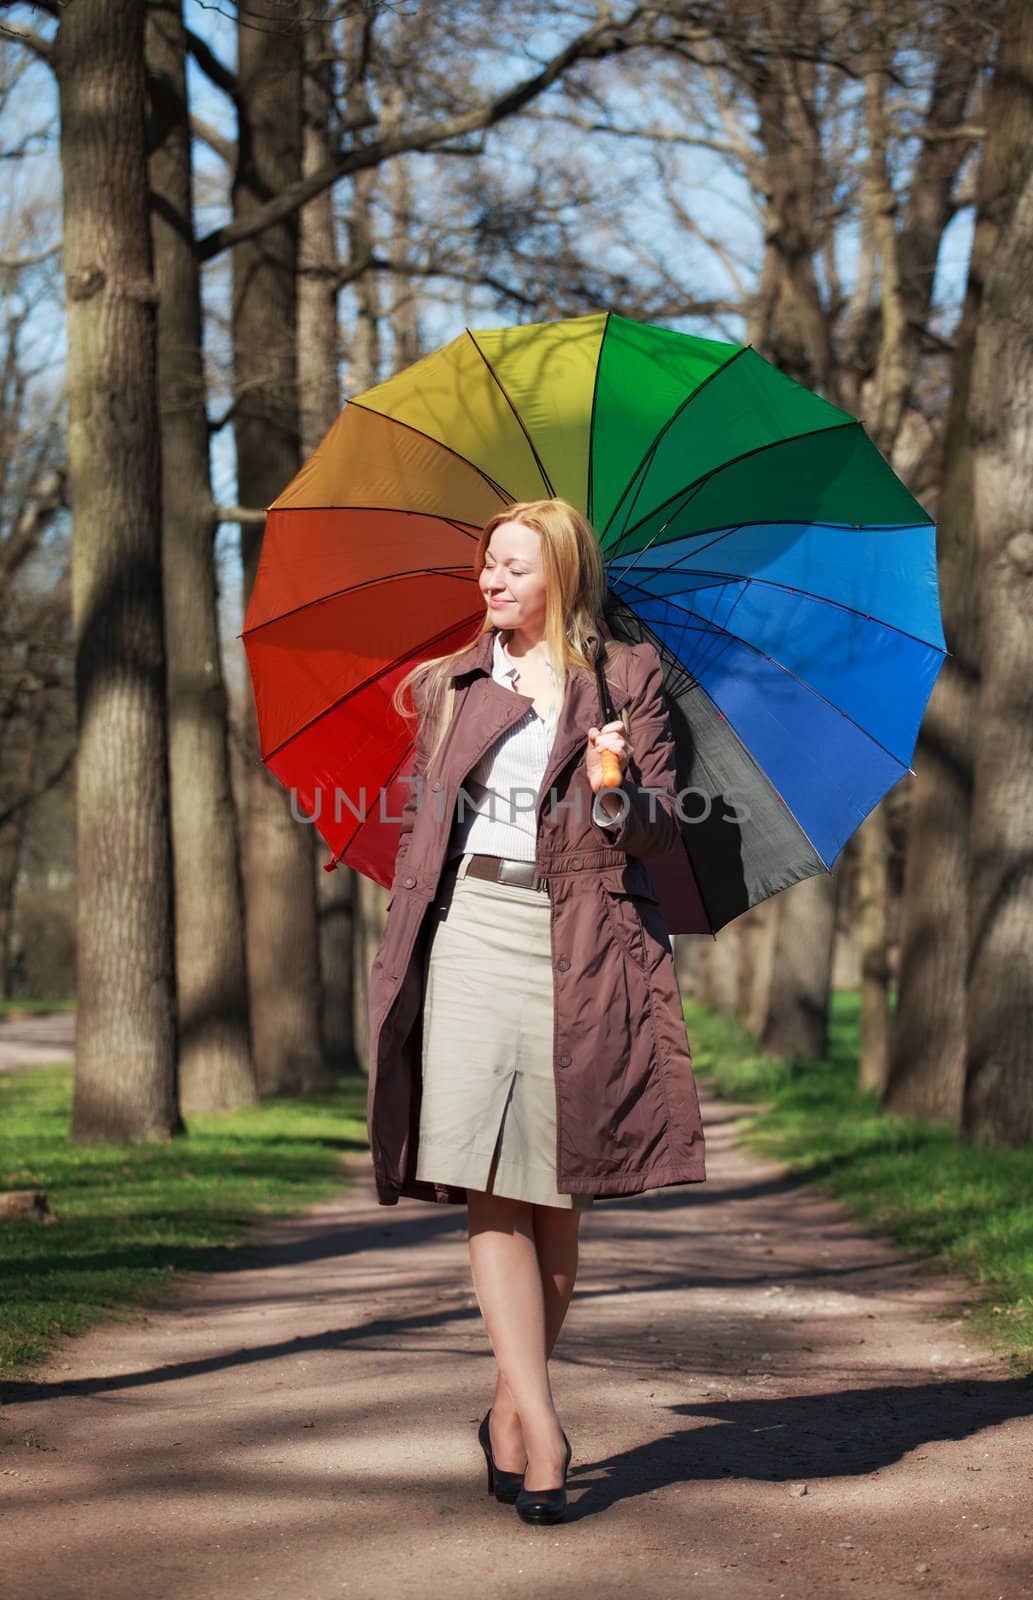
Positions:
{"x": 471, "y": 531}
{"x": 519, "y": 419}
{"x": 339, "y": 855}
{"x": 353, "y": 588}
{"x": 589, "y": 495}
{"x": 398, "y": 423}
{"x": 716, "y": 627}
{"x": 356, "y": 687}
{"x": 655, "y": 445}
{"x": 792, "y": 588}
{"x": 395, "y": 770}
{"x": 692, "y": 489}
{"x": 665, "y": 650}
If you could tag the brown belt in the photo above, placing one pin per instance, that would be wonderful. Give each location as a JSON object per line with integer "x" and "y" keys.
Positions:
{"x": 497, "y": 869}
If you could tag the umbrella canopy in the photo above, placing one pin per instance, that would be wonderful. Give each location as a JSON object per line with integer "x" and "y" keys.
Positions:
{"x": 750, "y": 530}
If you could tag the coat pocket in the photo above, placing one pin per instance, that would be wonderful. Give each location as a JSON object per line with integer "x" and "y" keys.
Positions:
{"x": 633, "y": 919}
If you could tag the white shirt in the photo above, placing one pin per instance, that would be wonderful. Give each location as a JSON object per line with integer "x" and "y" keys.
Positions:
{"x": 497, "y": 804}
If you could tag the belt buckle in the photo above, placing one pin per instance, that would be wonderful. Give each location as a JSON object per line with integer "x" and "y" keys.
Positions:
{"x": 522, "y": 874}
{"x": 514, "y": 872}
{"x": 525, "y": 876}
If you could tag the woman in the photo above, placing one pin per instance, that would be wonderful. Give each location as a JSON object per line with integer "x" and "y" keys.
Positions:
{"x": 527, "y": 1043}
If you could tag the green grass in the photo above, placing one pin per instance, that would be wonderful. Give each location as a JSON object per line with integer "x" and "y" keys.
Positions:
{"x": 964, "y": 1207}
{"x": 132, "y": 1216}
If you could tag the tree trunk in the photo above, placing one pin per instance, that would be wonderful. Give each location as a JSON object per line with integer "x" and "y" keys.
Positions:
{"x": 797, "y": 1017}
{"x": 12, "y": 843}
{"x": 406, "y": 293}
{"x": 282, "y": 937}
{"x": 998, "y": 1104}
{"x": 757, "y": 997}
{"x": 125, "y": 1086}
{"x": 320, "y": 395}
{"x": 216, "y": 1071}
{"x": 364, "y": 369}
{"x": 927, "y": 1055}
{"x": 719, "y": 971}
{"x": 927, "y": 1060}
{"x": 873, "y": 920}
{"x": 793, "y": 318}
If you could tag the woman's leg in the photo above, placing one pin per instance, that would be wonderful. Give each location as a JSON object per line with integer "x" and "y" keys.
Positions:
{"x": 520, "y": 1312}
{"x": 556, "y": 1241}
{"x": 556, "y": 1245}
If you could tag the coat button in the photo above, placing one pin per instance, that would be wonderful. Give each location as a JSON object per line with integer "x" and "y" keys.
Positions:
{"x": 410, "y": 883}
{"x": 563, "y": 963}
{"x": 576, "y": 863}
{"x": 564, "y": 1059}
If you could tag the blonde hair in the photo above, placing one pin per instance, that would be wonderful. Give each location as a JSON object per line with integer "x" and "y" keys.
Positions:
{"x": 575, "y": 586}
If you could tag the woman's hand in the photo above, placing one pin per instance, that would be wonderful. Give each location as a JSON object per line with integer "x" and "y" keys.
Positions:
{"x": 609, "y": 737}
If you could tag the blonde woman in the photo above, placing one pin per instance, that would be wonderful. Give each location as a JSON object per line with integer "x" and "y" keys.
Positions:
{"x": 528, "y": 1050}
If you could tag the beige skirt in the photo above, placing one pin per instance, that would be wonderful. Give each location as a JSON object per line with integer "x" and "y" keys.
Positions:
{"x": 488, "y": 1042}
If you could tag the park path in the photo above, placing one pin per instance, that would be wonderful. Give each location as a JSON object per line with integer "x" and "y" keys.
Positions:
{"x": 36, "y": 1041}
{"x": 763, "y": 1401}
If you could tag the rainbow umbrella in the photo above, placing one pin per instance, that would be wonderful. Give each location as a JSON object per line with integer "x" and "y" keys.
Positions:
{"x": 750, "y": 530}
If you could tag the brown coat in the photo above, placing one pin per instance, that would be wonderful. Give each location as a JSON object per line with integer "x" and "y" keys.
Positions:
{"x": 626, "y": 1107}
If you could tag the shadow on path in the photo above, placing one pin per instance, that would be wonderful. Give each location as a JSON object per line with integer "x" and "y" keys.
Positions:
{"x": 845, "y": 1433}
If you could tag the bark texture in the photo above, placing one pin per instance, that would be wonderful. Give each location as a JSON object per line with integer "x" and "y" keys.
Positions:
{"x": 126, "y": 1026}
{"x": 215, "y": 1065}
{"x": 282, "y": 937}
{"x": 998, "y": 1103}
{"x": 873, "y": 924}
{"x": 927, "y": 1061}
{"x": 319, "y": 390}
{"x": 796, "y": 1023}
{"x": 719, "y": 970}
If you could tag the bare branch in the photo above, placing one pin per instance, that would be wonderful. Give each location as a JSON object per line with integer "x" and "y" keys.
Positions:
{"x": 48, "y": 499}
{"x": 39, "y": 789}
{"x": 30, "y": 39}
{"x": 211, "y": 66}
{"x": 603, "y": 39}
{"x": 694, "y": 141}
{"x": 245, "y": 516}
{"x": 928, "y": 135}
{"x": 9, "y": 263}
{"x": 225, "y": 148}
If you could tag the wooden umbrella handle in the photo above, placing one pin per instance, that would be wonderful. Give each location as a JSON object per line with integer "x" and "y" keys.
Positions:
{"x": 611, "y": 770}
{"x": 610, "y": 764}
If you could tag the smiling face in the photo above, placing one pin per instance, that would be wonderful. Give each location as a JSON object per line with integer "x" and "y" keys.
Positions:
{"x": 512, "y": 580}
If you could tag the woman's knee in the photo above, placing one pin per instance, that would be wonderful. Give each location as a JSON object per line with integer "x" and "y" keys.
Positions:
{"x": 498, "y": 1212}
{"x": 557, "y": 1222}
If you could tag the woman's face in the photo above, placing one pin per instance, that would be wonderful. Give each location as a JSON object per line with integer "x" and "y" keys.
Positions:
{"x": 512, "y": 581}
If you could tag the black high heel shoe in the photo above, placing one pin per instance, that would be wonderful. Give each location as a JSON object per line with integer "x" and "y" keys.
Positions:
{"x": 505, "y": 1486}
{"x": 545, "y": 1505}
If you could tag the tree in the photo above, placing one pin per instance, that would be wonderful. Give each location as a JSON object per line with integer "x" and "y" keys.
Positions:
{"x": 320, "y": 401}
{"x": 282, "y": 937}
{"x": 907, "y": 256}
{"x": 998, "y": 1103}
{"x": 36, "y": 671}
{"x": 215, "y": 1065}
{"x": 126, "y": 1032}
{"x": 796, "y": 1018}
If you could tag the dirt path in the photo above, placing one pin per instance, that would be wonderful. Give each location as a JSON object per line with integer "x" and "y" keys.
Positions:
{"x": 763, "y": 1401}
{"x": 36, "y": 1041}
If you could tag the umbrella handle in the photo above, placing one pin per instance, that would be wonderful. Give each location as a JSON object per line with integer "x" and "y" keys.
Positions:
{"x": 610, "y": 763}
{"x": 611, "y": 770}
